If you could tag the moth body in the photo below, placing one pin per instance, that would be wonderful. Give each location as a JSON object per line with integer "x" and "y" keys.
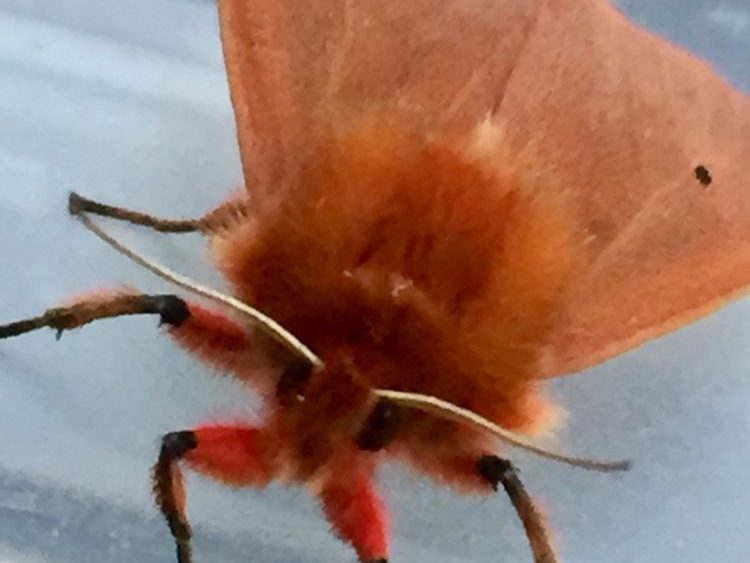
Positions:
{"x": 408, "y": 264}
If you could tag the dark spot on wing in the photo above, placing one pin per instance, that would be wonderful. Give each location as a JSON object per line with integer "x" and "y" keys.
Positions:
{"x": 703, "y": 175}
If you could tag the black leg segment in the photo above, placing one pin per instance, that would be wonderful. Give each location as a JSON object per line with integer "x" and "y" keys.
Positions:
{"x": 291, "y": 384}
{"x": 380, "y": 427}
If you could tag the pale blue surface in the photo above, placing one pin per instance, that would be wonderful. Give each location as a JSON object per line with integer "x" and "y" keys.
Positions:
{"x": 126, "y": 102}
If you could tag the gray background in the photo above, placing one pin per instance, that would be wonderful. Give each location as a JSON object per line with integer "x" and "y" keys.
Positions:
{"x": 126, "y": 102}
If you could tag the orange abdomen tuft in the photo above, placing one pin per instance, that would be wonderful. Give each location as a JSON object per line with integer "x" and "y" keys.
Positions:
{"x": 414, "y": 262}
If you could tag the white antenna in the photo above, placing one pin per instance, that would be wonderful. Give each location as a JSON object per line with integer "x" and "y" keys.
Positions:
{"x": 425, "y": 403}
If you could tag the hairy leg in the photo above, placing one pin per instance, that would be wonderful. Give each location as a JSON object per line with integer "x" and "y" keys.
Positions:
{"x": 102, "y": 305}
{"x": 79, "y": 204}
{"x": 233, "y": 455}
{"x": 460, "y": 461}
{"x": 356, "y": 513}
{"x": 210, "y": 335}
{"x": 211, "y": 222}
{"x": 497, "y": 471}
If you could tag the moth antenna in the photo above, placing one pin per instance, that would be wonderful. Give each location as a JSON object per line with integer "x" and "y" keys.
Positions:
{"x": 425, "y": 403}
{"x": 444, "y": 409}
{"x": 271, "y": 327}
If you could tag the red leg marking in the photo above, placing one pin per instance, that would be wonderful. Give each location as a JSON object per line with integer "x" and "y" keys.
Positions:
{"x": 231, "y": 454}
{"x": 449, "y": 461}
{"x": 213, "y": 337}
{"x": 357, "y": 514}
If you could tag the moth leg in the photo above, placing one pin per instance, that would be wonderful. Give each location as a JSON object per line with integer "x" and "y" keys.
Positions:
{"x": 169, "y": 489}
{"x": 171, "y": 309}
{"x": 220, "y": 218}
{"x": 497, "y": 471}
{"x": 233, "y": 455}
{"x": 208, "y": 334}
{"x": 356, "y": 513}
{"x": 78, "y": 204}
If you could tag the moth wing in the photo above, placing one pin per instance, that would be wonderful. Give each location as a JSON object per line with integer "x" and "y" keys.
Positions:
{"x": 620, "y": 120}
{"x": 599, "y": 113}
{"x": 299, "y": 69}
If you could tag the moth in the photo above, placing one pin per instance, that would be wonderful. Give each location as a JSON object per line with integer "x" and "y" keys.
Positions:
{"x": 448, "y": 201}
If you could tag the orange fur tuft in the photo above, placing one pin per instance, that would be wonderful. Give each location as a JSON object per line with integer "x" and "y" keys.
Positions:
{"x": 405, "y": 263}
